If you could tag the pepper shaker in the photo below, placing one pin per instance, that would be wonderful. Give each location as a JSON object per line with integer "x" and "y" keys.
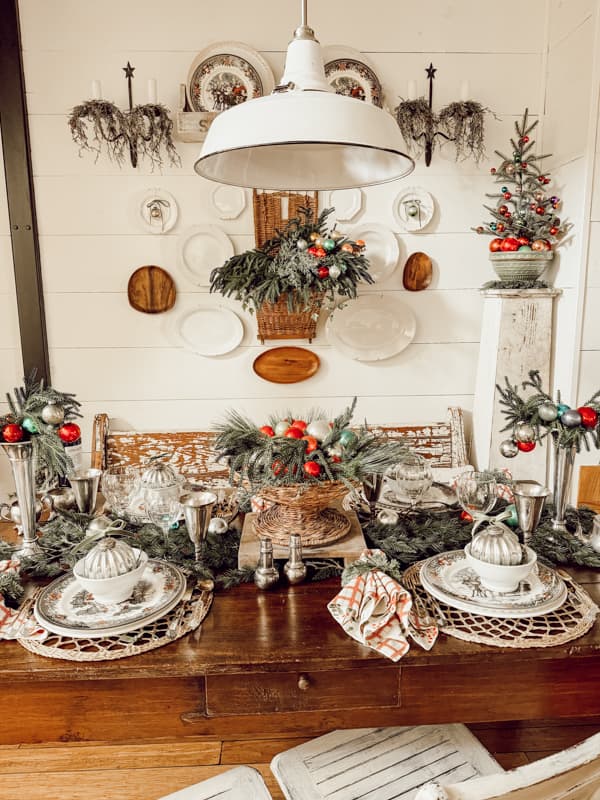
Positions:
{"x": 266, "y": 574}
{"x": 294, "y": 567}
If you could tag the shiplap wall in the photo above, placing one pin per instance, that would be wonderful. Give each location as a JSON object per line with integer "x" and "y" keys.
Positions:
{"x": 126, "y": 363}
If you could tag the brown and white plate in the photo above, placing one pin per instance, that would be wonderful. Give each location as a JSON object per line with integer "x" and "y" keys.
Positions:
{"x": 350, "y": 74}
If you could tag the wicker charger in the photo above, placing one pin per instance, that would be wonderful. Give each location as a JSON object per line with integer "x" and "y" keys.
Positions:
{"x": 574, "y": 618}
{"x": 182, "y": 619}
{"x": 303, "y": 508}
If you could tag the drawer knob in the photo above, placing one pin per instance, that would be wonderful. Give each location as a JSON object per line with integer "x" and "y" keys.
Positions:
{"x": 303, "y": 683}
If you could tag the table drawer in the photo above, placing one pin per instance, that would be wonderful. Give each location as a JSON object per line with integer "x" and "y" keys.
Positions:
{"x": 268, "y": 692}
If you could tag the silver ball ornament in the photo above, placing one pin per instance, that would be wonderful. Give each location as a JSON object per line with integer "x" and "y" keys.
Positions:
{"x": 509, "y": 169}
{"x": 336, "y": 235}
{"x": 509, "y": 449}
{"x": 301, "y": 244}
{"x": 524, "y": 432}
{"x": 334, "y": 271}
{"x": 53, "y": 414}
{"x": 547, "y": 412}
{"x": 571, "y": 418}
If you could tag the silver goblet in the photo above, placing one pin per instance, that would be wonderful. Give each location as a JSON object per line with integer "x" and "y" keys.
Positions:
{"x": 197, "y": 511}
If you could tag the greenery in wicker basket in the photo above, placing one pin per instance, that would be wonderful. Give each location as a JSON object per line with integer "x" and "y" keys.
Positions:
{"x": 291, "y": 451}
{"x": 531, "y": 419}
{"x": 30, "y": 406}
{"x": 303, "y": 259}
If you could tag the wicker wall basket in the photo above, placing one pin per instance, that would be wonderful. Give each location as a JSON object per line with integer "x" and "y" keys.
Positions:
{"x": 303, "y": 509}
{"x": 276, "y": 321}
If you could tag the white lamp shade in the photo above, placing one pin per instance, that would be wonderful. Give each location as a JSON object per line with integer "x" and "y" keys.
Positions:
{"x": 304, "y": 140}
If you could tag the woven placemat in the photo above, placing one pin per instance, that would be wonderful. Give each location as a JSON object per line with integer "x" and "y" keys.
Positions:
{"x": 184, "y": 618}
{"x": 574, "y": 618}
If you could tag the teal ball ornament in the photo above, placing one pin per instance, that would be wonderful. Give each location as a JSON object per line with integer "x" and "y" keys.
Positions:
{"x": 29, "y": 425}
{"x": 347, "y": 438}
{"x": 328, "y": 244}
{"x": 561, "y": 408}
{"x": 524, "y": 248}
{"x": 513, "y": 520}
{"x": 548, "y": 412}
{"x": 509, "y": 449}
{"x": 571, "y": 418}
{"x": 301, "y": 244}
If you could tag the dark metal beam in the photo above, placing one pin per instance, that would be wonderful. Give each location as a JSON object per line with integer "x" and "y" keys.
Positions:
{"x": 21, "y": 200}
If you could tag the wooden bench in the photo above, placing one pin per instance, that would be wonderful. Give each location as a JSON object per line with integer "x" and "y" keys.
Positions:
{"x": 588, "y": 493}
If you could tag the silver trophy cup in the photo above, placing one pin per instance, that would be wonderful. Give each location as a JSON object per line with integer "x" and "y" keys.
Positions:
{"x": 197, "y": 511}
{"x": 85, "y": 483}
{"x": 530, "y": 497}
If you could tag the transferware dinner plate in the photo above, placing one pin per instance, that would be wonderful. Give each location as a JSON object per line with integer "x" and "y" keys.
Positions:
{"x": 66, "y": 608}
{"x": 226, "y": 74}
{"x": 350, "y": 74}
{"x": 448, "y": 578}
{"x": 201, "y": 249}
{"x": 372, "y": 327}
{"x": 210, "y": 331}
{"x": 381, "y": 248}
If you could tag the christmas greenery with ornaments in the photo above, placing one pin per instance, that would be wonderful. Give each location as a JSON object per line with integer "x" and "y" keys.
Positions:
{"x": 531, "y": 419}
{"x": 303, "y": 259}
{"x": 291, "y": 450}
{"x": 44, "y": 416}
{"x": 523, "y": 211}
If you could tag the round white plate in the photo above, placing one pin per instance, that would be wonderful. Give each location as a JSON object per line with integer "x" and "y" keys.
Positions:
{"x": 413, "y": 198}
{"x": 166, "y": 207}
{"x": 448, "y": 578}
{"x": 349, "y": 72}
{"x": 64, "y": 607}
{"x": 226, "y": 74}
{"x": 229, "y": 201}
{"x": 382, "y": 250}
{"x": 346, "y": 202}
{"x": 201, "y": 249}
{"x": 210, "y": 331}
{"x": 372, "y": 327}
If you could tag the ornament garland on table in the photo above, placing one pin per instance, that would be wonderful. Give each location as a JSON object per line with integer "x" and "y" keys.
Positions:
{"x": 304, "y": 258}
{"x": 44, "y": 416}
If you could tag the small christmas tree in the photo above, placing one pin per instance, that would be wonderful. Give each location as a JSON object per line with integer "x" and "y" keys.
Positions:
{"x": 524, "y": 216}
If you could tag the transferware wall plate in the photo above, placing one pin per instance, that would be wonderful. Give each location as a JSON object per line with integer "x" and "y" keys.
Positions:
{"x": 349, "y": 73}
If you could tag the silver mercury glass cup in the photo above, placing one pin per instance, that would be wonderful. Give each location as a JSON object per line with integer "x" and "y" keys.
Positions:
{"x": 197, "y": 511}
{"x": 530, "y": 497}
{"x": 84, "y": 483}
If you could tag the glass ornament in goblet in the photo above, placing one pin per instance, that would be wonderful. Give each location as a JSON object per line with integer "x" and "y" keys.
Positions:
{"x": 477, "y": 492}
{"x": 413, "y": 477}
{"x": 165, "y": 512}
{"x": 118, "y": 487}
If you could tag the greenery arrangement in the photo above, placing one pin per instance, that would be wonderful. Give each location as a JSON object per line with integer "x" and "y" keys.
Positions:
{"x": 523, "y": 210}
{"x": 531, "y": 419}
{"x": 291, "y": 450}
{"x": 303, "y": 259}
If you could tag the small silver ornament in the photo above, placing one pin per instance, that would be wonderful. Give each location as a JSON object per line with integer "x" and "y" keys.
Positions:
{"x": 547, "y": 412}
{"x": 509, "y": 449}
{"x": 53, "y": 414}
{"x": 336, "y": 235}
{"x": 412, "y": 210}
{"x": 218, "y": 525}
{"x": 266, "y": 574}
{"x": 571, "y": 418}
{"x": 301, "y": 244}
{"x": 539, "y": 196}
{"x": 524, "y": 432}
{"x": 497, "y": 544}
{"x": 509, "y": 169}
{"x": 387, "y": 516}
{"x": 334, "y": 271}
{"x": 294, "y": 568}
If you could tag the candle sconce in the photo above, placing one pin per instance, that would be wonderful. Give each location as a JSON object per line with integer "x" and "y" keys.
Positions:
{"x": 461, "y": 123}
{"x": 98, "y": 125}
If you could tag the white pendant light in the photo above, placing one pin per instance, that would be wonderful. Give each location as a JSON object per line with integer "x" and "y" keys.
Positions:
{"x": 304, "y": 136}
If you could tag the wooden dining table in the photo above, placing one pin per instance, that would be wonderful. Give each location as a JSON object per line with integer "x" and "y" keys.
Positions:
{"x": 265, "y": 663}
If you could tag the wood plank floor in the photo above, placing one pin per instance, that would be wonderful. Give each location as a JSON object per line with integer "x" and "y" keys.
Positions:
{"x": 146, "y": 771}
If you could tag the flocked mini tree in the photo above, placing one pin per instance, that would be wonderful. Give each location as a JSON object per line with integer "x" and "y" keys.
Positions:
{"x": 523, "y": 210}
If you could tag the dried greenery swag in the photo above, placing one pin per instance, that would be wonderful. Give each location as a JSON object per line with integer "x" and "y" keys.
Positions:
{"x": 98, "y": 125}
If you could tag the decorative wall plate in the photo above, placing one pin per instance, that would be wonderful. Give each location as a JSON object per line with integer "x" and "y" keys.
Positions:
{"x": 349, "y": 73}
{"x": 347, "y": 203}
{"x": 286, "y": 364}
{"x": 413, "y": 209}
{"x": 448, "y": 578}
{"x": 201, "y": 249}
{"x": 158, "y": 211}
{"x": 382, "y": 250}
{"x": 229, "y": 201}
{"x": 226, "y": 74}
{"x": 151, "y": 290}
{"x": 64, "y": 607}
{"x": 210, "y": 331}
{"x": 372, "y": 327}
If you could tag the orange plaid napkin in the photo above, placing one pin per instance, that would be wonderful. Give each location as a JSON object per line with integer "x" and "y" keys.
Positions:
{"x": 378, "y": 612}
{"x": 12, "y": 624}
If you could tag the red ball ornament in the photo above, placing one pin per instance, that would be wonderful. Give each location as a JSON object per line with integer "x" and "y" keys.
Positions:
{"x": 323, "y": 272}
{"x": 500, "y": 227}
{"x": 293, "y": 433}
{"x": 495, "y": 245}
{"x": 524, "y": 165}
{"x": 526, "y": 447}
{"x": 320, "y": 252}
{"x": 503, "y": 209}
{"x": 13, "y": 433}
{"x": 540, "y": 210}
{"x": 312, "y": 468}
{"x": 553, "y": 231}
{"x": 312, "y": 250}
{"x": 524, "y": 139}
{"x": 267, "y": 430}
{"x": 546, "y": 181}
{"x": 311, "y": 443}
{"x": 493, "y": 170}
{"x": 509, "y": 245}
{"x": 465, "y": 516}
{"x": 299, "y": 423}
{"x": 507, "y": 195}
{"x": 532, "y": 206}
{"x": 541, "y": 179}
{"x": 589, "y": 417}
{"x": 69, "y": 433}
{"x": 278, "y": 468}
{"x": 336, "y": 459}
{"x": 523, "y": 241}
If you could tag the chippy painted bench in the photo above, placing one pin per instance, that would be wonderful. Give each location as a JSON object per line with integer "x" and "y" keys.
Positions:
{"x": 192, "y": 452}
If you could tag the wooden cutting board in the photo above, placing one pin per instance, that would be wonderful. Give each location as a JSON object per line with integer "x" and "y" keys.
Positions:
{"x": 151, "y": 290}
{"x": 286, "y": 364}
{"x": 418, "y": 272}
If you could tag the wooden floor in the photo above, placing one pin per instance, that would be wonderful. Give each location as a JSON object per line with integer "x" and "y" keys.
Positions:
{"x": 144, "y": 771}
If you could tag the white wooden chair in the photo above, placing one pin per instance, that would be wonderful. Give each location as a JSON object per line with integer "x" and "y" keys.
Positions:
{"x": 572, "y": 774}
{"x": 380, "y": 763}
{"x": 240, "y": 783}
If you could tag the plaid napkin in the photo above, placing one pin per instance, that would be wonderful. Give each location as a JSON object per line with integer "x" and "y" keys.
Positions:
{"x": 378, "y": 612}
{"x": 13, "y": 623}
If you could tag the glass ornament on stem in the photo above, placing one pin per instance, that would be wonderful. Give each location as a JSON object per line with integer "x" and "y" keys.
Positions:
{"x": 164, "y": 512}
{"x": 477, "y": 492}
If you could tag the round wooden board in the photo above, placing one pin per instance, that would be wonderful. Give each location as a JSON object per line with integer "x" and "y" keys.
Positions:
{"x": 286, "y": 364}
{"x": 417, "y": 273}
{"x": 151, "y": 290}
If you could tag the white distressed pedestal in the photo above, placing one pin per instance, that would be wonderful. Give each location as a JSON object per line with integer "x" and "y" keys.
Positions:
{"x": 516, "y": 337}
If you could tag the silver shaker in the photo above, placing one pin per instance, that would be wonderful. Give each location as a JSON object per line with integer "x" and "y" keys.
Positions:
{"x": 266, "y": 574}
{"x": 294, "y": 568}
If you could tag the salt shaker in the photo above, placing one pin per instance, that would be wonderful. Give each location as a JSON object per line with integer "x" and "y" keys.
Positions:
{"x": 266, "y": 574}
{"x": 294, "y": 567}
